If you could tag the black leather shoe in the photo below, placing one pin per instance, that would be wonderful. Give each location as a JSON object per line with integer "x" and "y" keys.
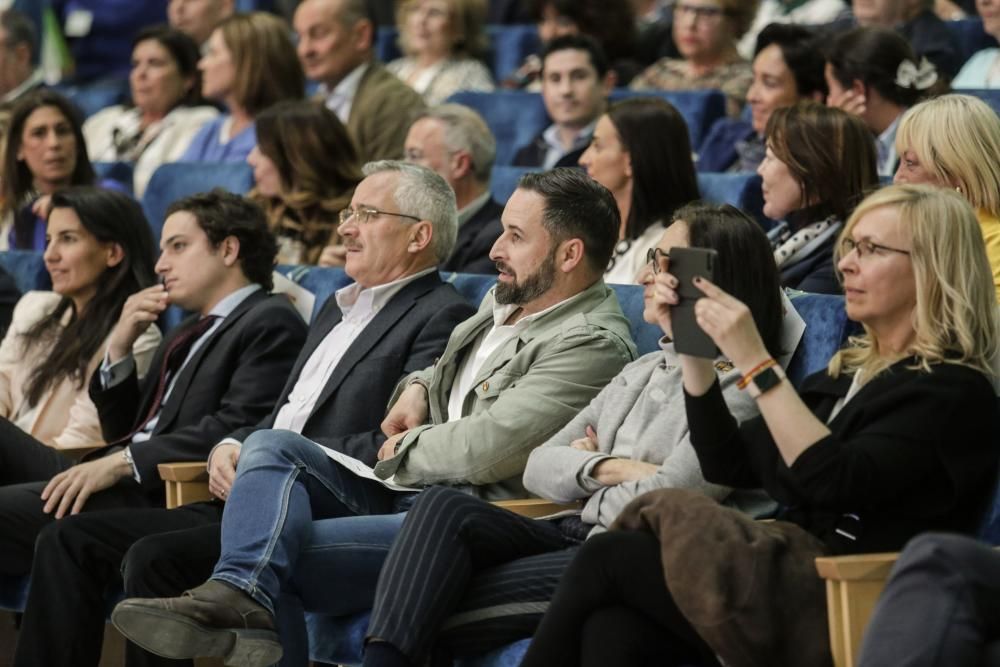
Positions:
{"x": 212, "y": 620}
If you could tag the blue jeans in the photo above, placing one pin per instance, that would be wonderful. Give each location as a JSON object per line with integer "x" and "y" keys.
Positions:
{"x": 284, "y": 482}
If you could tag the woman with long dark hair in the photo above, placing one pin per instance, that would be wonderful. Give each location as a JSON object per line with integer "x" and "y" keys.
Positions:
{"x": 99, "y": 251}
{"x": 305, "y": 168}
{"x": 641, "y": 152}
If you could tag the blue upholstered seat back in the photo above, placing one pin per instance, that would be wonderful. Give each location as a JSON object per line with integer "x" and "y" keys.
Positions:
{"x": 174, "y": 180}
{"x": 27, "y": 268}
{"x": 91, "y": 97}
{"x": 700, "y": 108}
{"x": 514, "y": 117}
{"x": 740, "y": 189}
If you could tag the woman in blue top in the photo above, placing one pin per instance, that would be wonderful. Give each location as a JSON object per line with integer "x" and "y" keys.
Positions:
{"x": 248, "y": 65}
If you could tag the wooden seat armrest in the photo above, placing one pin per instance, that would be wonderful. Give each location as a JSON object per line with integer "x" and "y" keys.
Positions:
{"x": 853, "y": 586}
{"x": 535, "y": 507}
{"x": 861, "y": 567}
{"x": 185, "y": 482}
{"x": 188, "y": 471}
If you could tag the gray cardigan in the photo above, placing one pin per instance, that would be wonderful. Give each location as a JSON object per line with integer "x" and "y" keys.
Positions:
{"x": 649, "y": 389}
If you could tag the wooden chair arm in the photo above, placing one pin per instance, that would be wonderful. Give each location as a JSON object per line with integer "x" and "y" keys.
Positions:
{"x": 853, "y": 585}
{"x": 535, "y": 507}
{"x": 185, "y": 482}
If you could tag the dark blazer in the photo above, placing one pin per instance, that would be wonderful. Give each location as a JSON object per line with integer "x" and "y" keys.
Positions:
{"x": 407, "y": 335}
{"x": 717, "y": 152}
{"x": 230, "y": 381}
{"x": 912, "y": 451}
{"x": 533, "y": 155}
{"x": 815, "y": 273}
{"x": 475, "y": 239}
{"x": 381, "y": 113}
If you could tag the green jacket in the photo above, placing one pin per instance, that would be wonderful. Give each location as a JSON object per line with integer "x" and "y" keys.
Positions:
{"x": 527, "y": 390}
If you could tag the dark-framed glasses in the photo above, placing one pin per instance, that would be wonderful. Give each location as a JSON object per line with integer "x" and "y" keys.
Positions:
{"x": 363, "y": 215}
{"x": 700, "y": 13}
{"x": 866, "y": 248}
{"x": 654, "y": 257}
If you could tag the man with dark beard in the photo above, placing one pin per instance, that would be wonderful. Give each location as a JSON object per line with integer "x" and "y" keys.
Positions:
{"x": 544, "y": 342}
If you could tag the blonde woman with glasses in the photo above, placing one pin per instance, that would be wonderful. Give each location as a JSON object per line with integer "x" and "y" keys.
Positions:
{"x": 897, "y": 437}
{"x": 953, "y": 141}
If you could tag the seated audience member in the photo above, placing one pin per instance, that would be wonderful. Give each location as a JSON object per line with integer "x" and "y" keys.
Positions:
{"x": 872, "y": 73}
{"x": 20, "y": 38}
{"x": 442, "y": 42}
{"x": 939, "y": 608}
{"x": 45, "y": 151}
{"x": 198, "y": 18}
{"x": 455, "y": 142}
{"x": 395, "y": 319}
{"x": 706, "y": 32}
{"x": 167, "y": 109}
{"x": 641, "y": 153}
{"x": 461, "y": 422}
{"x": 787, "y": 68}
{"x": 305, "y": 169}
{"x": 982, "y": 70}
{"x": 213, "y": 373}
{"x": 916, "y": 22}
{"x": 99, "y": 252}
{"x": 897, "y": 437}
{"x": 575, "y": 88}
{"x": 248, "y": 65}
{"x": 336, "y": 48}
{"x": 788, "y": 12}
{"x": 631, "y": 439}
{"x": 820, "y": 163}
{"x": 953, "y": 141}
{"x": 610, "y": 24}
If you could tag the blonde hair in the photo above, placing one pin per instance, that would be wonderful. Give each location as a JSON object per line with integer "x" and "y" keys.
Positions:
{"x": 955, "y": 319}
{"x": 466, "y": 21}
{"x": 957, "y": 138}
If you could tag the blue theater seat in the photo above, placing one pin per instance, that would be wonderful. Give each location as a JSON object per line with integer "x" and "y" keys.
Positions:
{"x": 174, "y": 180}
{"x": 514, "y": 117}
{"x": 94, "y": 96}
{"x": 990, "y": 96}
{"x": 700, "y": 108}
{"x": 503, "y": 181}
{"x": 119, "y": 172}
{"x": 27, "y": 268}
{"x": 741, "y": 189}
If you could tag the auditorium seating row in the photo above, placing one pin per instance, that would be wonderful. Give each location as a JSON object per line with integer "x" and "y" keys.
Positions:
{"x": 338, "y": 639}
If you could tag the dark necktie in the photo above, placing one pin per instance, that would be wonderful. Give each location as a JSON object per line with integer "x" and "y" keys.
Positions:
{"x": 174, "y": 357}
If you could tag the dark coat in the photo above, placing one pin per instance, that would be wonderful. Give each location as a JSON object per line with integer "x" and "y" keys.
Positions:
{"x": 533, "y": 155}
{"x": 233, "y": 379}
{"x": 475, "y": 240}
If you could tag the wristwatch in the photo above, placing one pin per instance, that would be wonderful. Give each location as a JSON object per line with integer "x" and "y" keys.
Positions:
{"x": 766, "y": 379}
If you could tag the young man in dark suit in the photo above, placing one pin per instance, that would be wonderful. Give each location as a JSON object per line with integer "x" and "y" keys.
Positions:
{"x": 454, "y": 141}
{"x": 216, "y": 261}
{"x": 394, "y": 320}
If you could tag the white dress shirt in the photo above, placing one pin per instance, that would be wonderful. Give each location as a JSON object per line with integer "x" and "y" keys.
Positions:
{"x": 341, "y": 98}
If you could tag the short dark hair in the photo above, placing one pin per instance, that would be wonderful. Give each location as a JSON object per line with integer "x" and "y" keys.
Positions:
{"x": 222, "y": 214}
{"x": 746, "y": 267}
{"x": 579, "y": 43}
{"x": 185, "y": 52}
{"x": 611, "y": 23}
{"x": 656, "y": 137}
{"x": 828, "y": 151}
{"x": 19, "y": 28}
{"x": 872, "y": 56}
{"x": 801, "y": 53}
{"x": 577, "y": 206}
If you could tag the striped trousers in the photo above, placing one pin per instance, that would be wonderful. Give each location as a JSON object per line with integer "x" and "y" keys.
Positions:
{"x": 467, "y": 576}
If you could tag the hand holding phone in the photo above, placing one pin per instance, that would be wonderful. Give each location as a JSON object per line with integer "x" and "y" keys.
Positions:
{"x": 685, "y": 265}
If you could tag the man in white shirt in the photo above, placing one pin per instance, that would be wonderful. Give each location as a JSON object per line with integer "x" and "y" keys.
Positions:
{"x": 336, "y": 49}
{"x": 395, "y": 319}
{"x": 546, "y": 339}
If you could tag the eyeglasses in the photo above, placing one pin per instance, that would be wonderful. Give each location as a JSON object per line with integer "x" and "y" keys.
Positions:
{"x": 865, "y": 248}
{"x": 653, "y": 256}
{"x": 698, "y": 12}
{"x": 363, "y": 215}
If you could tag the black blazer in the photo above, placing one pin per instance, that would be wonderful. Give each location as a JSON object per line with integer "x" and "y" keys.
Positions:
{"x": 533, "y": 155}
{"x": 233, "y": 379}
{"x": 911, "y": 452}
{"x": 407, "y": 335}
{"x": 475, "y": 240}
